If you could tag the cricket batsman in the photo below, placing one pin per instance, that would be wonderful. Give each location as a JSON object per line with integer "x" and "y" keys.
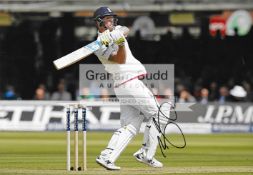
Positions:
{"x": 119, "y": 61}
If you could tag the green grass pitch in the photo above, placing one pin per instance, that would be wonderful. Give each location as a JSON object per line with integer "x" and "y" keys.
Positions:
{"x": 44, "y": 153}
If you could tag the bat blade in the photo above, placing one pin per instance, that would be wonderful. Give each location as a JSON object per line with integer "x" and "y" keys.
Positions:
{"x": 77, "y": 55}
{"x": 83, "y": 52}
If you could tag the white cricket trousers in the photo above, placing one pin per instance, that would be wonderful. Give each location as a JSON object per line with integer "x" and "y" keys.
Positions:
{"x": 135, "y": 98}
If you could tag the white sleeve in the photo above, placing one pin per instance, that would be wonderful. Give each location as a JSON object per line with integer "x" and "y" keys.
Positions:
{"x": 105, "y": 52}
{"x": 117, "y": 27}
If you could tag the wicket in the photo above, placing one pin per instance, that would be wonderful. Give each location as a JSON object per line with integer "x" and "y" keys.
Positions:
{"x": 74, "y": 109}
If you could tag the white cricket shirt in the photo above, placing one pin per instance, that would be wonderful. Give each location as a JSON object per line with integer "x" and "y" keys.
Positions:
{"x": 120, "y": 72}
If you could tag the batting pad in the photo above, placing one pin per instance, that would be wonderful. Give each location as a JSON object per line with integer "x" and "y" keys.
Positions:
{"x": 150, "y": 141}
{"x": 112, "y": 144}
{"x": 164, "y": 113}
{"x": 126, "y": 134}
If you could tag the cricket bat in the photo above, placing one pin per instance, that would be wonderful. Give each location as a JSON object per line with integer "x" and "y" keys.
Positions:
{"x": 82, "y": 53}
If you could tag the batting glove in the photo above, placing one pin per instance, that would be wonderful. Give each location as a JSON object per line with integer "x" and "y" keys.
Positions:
{"x": 118, "y": 37}
{"x": 105, "y": 38}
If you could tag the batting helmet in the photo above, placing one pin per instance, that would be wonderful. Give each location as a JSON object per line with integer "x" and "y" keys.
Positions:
{"x": 102, "y": 12}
